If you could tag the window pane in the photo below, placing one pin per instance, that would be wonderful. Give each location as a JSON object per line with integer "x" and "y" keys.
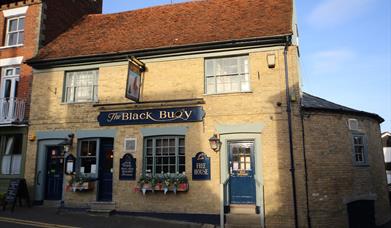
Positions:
{"x": 13, "y": 25}
{"x": 16, "y": 163}
{"x": 6, "y": 164}
{"x": 21, "y": 38}
{"x": 21, "y": 24}
{"x": 12, "y": 39}
{"x": 88, "y": 165}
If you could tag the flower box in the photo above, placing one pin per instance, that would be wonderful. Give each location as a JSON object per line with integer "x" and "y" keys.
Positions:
{"x": 81, "y": 187}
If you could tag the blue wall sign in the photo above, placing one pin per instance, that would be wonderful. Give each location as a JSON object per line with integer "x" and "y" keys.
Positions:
{"x": 201, "y": 167}
{"x": 127, "y": 167}
{"x": 151, "y": 116}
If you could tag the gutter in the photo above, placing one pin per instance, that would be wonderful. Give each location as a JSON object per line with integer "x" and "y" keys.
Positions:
{"x": 150, "y": 53}
{"x": 289, "y": 114}
{"x": 346, "y": 112}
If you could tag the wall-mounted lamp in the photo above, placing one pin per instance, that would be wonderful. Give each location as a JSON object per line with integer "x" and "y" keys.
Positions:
{"x": 271, "y": 60}
{"x": 215, "y": 143}
{"x": 67, "y": 143}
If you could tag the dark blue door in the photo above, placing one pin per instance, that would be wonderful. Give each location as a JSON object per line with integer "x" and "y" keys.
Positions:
{"x": 241, "y": 169}
{"x": 54, "y": 173}
{"x": 105, "y": 180}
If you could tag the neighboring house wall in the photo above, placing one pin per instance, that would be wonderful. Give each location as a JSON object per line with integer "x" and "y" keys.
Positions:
{"x": 334, "y": 179}
{"x": 13, "y": 56}
{"x": 386, "y": 141}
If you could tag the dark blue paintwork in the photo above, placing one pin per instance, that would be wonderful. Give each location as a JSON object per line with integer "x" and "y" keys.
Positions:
{"x": 105, "y": 175}
{"x": 201, "y": 167}
{"x": 242, "y": 182}
{"x": 127, "y": 167}
{"x": 54, "y": 174}
{"x": 151, "y": 116}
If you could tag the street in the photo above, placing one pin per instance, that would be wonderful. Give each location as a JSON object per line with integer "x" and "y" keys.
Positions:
{"x": 47, "y": 217}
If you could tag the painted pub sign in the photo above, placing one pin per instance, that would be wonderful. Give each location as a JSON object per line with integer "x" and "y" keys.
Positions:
{"x": 127, "y": 167}
{"x": 201, "y": 167}
{"x": 133, "y": 84}
{"x": 152, "y": 116}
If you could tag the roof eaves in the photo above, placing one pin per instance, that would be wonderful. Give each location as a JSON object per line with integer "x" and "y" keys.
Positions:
{"x": 277, "y": 40}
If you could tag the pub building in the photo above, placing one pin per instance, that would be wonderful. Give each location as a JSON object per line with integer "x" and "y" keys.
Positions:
{"x": 195, "y": 111}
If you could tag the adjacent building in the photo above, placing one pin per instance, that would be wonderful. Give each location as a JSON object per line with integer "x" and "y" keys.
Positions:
{"x": 386, "y": 140}
{"x": 196, "y": 109}
{"x": 25, "y": 26}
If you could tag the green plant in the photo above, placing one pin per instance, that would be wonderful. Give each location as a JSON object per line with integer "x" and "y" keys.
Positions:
{"x": 144, "y": 179}
{"x": 80, "y": 178}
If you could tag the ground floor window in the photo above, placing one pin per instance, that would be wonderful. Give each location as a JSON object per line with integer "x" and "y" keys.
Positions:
{"x": 11, "y": 154}
{"x": 164, "y": 154}
{"x": 88, "y": 150}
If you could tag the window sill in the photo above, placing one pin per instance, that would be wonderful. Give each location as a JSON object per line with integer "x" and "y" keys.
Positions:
{"x": 227, "y": 93}
{"x": 361, "y": 165}
{"x": 79, "y": 103}
{"x": 13, "y": 46}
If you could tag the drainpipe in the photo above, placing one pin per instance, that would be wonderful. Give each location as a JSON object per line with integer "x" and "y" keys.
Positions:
{"x": 289, "y": 113}
{"x": 305, "y": 169}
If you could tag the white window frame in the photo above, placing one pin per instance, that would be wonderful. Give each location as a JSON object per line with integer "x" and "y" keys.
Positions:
{"x": 13, "y": 77}
{"x": 7, "y": 143}
{"x": 18, "y": 31}
{"x": 364, "y": 145}
{"x": 154, "y": 156}
{"x": 243, "y": 78}
{"x": 71, "y": 88}
{"x": 80, "y": 157}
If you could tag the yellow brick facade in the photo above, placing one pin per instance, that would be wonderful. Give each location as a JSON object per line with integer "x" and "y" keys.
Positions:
{"x": 183, "y": 78}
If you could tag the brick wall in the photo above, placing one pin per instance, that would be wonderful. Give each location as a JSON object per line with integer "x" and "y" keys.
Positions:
{"x": 333, "y": 179}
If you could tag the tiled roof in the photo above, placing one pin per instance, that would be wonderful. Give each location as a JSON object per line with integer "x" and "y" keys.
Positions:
{"x": 189, "y": 23}
{"x": 310, "y": 102}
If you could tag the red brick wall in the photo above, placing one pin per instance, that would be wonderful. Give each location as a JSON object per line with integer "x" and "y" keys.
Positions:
{"x": 61, "y": 14}
{"x": 28, "y": 50}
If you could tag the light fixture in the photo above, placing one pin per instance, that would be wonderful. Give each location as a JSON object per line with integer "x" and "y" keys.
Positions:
{"x": 67, "y": 143}
{"x": 271, "y": 60}
{"x": 215, "y": 143}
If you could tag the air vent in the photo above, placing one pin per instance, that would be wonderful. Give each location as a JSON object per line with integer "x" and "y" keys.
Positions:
{"x": 130, "y": 145}
{"x": 353, "y": 124}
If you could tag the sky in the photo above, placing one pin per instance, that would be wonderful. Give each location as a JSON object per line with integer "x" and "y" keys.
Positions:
{"x": 345, "y": 48}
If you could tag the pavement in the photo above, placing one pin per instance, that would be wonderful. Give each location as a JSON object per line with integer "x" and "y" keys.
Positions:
{"x": 46, "y": 217}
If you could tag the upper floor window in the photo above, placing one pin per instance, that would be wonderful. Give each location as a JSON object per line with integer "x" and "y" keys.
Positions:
{"x": 226, "y": 75}
{"x": 15, "y": 31}
{"x": 360, "y": 150}
{"x": 10, "y": 154}
{"x": 164, "y": 154}
{"x": 9, "y": 82}
{"x": 81, "y": 86}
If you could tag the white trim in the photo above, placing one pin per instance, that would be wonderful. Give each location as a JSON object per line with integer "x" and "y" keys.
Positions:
{"x": 11, "y": 61}
{"x": 386, "y": 134}
{"x": 15, "y": 11}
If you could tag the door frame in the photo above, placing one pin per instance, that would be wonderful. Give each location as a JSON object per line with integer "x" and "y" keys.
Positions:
{"x": 252, "y": 155}
{"x": 237, "y": 133}
{"x": 40, "y": 177}
{"x": 46, "y": 173}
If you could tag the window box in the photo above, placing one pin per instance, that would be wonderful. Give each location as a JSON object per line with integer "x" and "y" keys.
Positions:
{"x": 163, "y": 182}
{"x": 80, "y": 183}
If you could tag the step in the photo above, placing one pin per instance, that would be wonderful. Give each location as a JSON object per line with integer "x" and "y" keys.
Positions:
{"x": 245, "y": 220}
{"x": 242, "y": 209}
{"x": 242, "y": 226}
{"x": 102, "y": 207}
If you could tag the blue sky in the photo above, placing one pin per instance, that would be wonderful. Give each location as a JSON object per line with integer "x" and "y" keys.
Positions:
{"x": 345, "y": 50}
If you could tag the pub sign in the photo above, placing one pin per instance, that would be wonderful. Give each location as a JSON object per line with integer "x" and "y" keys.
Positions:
{"x": 201, "y": 167}
{"x": 133, "y": 84}
{"x": 127, "y": 167}
{"x": 151, "y": 116}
